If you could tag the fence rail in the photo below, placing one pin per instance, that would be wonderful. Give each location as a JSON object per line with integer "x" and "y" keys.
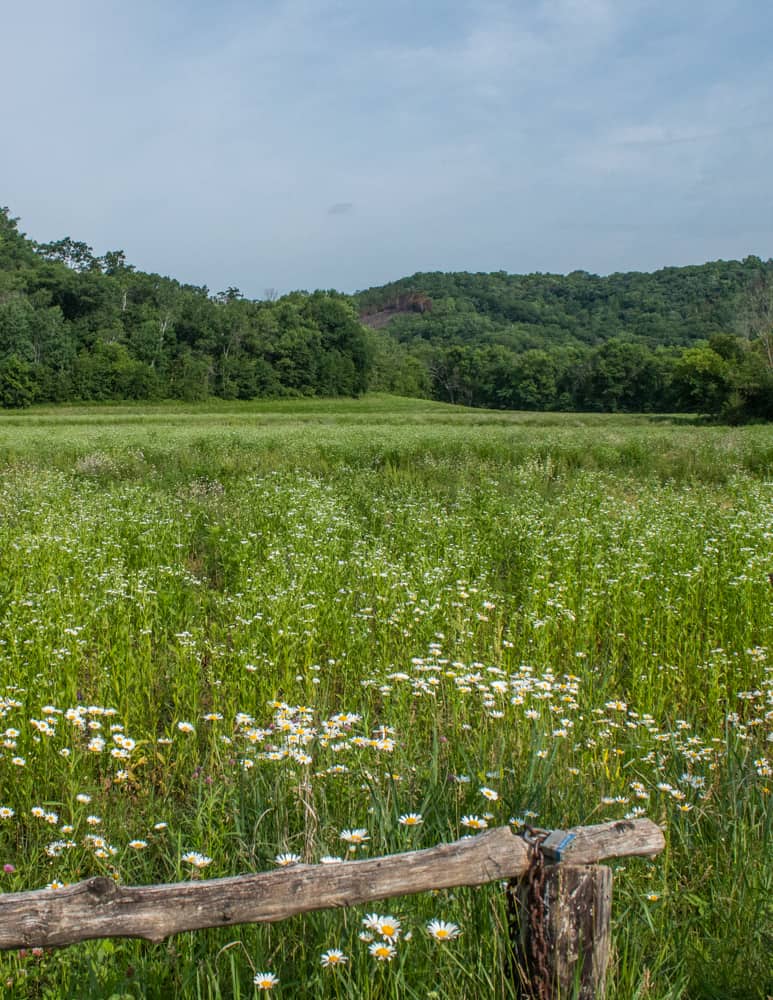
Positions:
{"x": 99, "y": 908}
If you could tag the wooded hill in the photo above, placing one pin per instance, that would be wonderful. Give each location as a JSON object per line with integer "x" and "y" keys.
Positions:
{"x": 78, "y": 326}
{"x": 682, "y": 338}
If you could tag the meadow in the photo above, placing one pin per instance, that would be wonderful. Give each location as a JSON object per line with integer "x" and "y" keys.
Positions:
{"x": 235, "y": 636}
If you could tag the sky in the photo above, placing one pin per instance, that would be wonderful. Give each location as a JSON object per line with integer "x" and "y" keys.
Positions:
{"x": 285, "y": 144}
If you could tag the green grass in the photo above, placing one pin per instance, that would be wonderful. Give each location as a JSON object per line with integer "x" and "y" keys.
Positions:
{"x": 571, "y": 610}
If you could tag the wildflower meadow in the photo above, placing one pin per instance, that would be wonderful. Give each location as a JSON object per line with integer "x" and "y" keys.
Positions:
{"x": 236, "y": 637}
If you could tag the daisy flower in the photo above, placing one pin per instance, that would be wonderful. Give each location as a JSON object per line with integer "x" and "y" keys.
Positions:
{"x": 388, "y": 927}
{"x": 285, "y": 860}
{"x": 265, "y": 980}
{"x": 440, "y": 930}
{"x": 474, "y": 822}
{"x": 332, "y": 957}
{"x": 410, "y": 819}
{"x": 358, "y": 836}
{"x": 382, "y": 951}
{"x": 196, "y": 859}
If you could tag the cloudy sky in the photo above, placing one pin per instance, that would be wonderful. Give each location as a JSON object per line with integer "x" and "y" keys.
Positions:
{"x": 340, "y": 144}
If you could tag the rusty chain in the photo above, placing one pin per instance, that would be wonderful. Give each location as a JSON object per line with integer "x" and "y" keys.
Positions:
{"x": 536, "y": 940}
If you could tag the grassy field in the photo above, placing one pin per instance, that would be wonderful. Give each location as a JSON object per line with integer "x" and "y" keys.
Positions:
{"x": 235, "y": 633}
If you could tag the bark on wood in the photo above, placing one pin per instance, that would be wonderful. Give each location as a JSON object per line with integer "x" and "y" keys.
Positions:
{"x": 577, "y": 914}
{"x": 585, "y": 845}
{"x": 99, "y": 908}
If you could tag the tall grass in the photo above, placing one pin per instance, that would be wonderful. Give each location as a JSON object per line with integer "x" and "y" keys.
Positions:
{"x": 289, "y": 621}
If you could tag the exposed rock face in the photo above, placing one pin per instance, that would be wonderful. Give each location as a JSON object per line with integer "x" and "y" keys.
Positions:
{"x": 411, "y": 302}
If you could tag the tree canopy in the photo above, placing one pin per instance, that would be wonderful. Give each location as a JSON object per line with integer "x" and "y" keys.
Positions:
{"x": 76, "y": 325}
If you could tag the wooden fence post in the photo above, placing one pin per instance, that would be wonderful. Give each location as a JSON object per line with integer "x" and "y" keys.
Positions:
{"x": 560, "y": 926}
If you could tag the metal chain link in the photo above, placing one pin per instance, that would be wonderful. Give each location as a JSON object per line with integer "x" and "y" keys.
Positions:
{"x": 538, "y": 940}
{"x": 536, "y": 954}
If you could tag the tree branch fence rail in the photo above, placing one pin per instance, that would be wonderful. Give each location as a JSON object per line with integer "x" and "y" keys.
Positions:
{"x": 559, "y": 899}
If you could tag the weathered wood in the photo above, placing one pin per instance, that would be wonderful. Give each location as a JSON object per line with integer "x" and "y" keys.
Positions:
{"x": 585, "y": 845}
{"x": 99, "y": 908}
{"x": 574, "y": 941}
{"x": 579, "y": 900}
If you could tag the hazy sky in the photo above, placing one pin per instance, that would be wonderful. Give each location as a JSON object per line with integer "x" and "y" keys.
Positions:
{"x": 340, "y": 144}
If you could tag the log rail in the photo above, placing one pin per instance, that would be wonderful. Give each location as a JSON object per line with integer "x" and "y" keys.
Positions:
{"x": 100, "y": 908}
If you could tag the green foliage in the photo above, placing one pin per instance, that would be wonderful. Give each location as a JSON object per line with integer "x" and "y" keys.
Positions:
{"x": 17, "y": 388}
{"x": 703, "y": 377}
{"x": 583, "y": 342}
{"x": 94, "y": 328}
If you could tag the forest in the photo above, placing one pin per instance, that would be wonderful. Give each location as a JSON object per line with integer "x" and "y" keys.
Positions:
{"x": 76, "y": 326}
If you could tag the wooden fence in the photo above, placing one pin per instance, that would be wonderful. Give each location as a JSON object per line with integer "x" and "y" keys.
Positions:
{"x": 559, "y": 899}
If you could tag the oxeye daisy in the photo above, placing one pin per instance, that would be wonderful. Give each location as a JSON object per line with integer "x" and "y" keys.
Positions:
{"x": 332, "y": 957}
{"x": 196, "y": 859}
{"x": 382, "y": 951}
{"x": 440, "y": 930}
{"x": 186, "y": 727}
{"x": 474, "y": 822}
{"x": 490, "y": 794}
{"x": 388, "y": 927}
{"x": 358, "y": 836}
{"x": 410, "y": 819}
{"x": 265, "y": 980}
{"x": 285, "y": 860}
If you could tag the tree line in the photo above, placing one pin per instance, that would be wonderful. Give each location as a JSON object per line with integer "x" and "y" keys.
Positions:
{"x": 75, "y": 326}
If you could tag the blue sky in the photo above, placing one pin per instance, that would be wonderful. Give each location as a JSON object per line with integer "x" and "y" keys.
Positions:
{"x": 326, "y": 143}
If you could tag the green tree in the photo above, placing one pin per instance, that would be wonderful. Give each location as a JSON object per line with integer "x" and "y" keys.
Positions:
{"x": 702, "y": 380}
{"x": 17, "y": 388}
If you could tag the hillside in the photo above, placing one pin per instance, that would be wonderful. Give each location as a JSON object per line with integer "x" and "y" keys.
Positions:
{"x": 673, "y": 306}
{"x": 689, "y": 338}
{"x": 78, "y": 326}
